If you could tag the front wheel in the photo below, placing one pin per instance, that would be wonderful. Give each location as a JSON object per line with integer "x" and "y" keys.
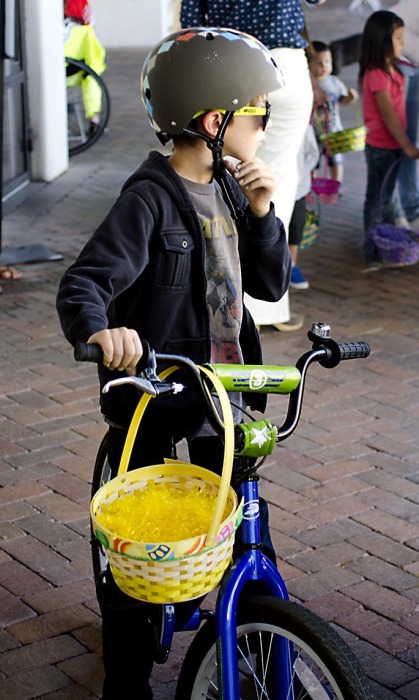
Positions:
{"x": 102, "y": 474}
{"x": 322, "y": 666}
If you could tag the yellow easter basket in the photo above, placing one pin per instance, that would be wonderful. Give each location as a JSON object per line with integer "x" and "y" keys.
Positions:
{"x": 172, "y": 572}
{"x": 351, "y": 139}
{"x": 346, "y": 140}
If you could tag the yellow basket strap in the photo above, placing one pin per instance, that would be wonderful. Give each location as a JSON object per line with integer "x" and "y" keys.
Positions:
{"x": 135, "y": 422}
{"x": 227, "y": 418}
{"x": 357, "y": 108}
{"x": 228, "y": 456}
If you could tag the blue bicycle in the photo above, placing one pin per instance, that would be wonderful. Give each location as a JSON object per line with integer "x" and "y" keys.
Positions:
{"x": 258, "y": 645}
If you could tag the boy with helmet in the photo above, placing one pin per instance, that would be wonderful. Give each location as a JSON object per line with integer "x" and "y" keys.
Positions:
{"x": 170, "y": 263}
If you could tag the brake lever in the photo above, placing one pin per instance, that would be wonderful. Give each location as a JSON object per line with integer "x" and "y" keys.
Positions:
{"x": 146, "y": 386}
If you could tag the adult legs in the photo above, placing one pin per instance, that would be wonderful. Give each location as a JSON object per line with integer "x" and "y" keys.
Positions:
{"x": 291, "y": 109}
{"x": 407, "y": 178}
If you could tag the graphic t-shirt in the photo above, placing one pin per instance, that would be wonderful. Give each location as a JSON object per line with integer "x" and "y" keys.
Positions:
{"x": 328, "y": 115}
{"x": 224, "y": 288}
{"x": 222, "y": 270}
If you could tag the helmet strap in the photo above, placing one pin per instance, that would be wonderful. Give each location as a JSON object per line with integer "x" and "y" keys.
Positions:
{"x": 163, "y": 138}
{"x": 216, "y": 144}
{"x": 220, "y": 175}
{"x": 219, "y": 167}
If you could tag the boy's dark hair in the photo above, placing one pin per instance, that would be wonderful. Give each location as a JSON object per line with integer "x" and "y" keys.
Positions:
{"x": 320, "y": 46}
{"x": 183, "y": 139}
{"x": 377, "y": 42}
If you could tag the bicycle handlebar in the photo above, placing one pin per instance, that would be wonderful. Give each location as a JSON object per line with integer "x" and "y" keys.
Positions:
{"x": 91, "y": 352}
{"x": 326, "y": 351}
{"x": 88, "y": 352}
{"x": 353, "y": 351}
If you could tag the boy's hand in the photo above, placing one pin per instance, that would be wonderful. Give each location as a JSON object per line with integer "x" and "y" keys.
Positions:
{"x": 257, "y": 181}
{"x": 122, "y": 348}
{"x": 353, "y": 94}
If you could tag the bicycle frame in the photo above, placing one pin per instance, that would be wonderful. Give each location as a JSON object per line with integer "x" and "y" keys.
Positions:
{"x": 250, "y": 564}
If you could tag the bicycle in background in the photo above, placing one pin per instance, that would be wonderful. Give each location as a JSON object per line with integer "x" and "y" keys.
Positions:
{"x": 83, "y": 83}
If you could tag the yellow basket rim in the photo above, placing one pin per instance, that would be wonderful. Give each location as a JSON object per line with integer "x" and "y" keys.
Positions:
{"x": 147, "y": 473}
{"x": 360, "y": 129}
{"x": 201, "y": 552}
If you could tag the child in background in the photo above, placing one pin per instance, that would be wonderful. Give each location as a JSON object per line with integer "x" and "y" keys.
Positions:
{"x": 327, "y": 115}
{"x": 308, "y": 157}
{"x": 81, "y": 43}
{"x": 408, "y": 176}
{"x": 383, "y": 98}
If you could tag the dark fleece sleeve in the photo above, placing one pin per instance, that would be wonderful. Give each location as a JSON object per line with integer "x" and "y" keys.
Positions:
{"x": 109, "y": 263}
{"x": 266, "y": 260}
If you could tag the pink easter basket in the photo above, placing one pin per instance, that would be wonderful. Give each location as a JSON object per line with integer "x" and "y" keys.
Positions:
{"x": 326, "y": 189}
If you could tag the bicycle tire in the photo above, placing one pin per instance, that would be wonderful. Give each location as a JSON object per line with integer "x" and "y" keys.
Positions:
{"x": 323, "y": 666}
{"x": 80, "y": 137}
{"x": 101, "y": 475}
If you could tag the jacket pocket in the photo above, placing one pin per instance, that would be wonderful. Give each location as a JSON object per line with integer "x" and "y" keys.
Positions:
{"x": 174, "y": 260}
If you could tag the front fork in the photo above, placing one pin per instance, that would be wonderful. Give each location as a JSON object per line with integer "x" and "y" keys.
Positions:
{"x": 251, "y": 565}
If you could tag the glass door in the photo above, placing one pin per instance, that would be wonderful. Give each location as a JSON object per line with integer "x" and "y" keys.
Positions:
{"x": 16, "y": 142}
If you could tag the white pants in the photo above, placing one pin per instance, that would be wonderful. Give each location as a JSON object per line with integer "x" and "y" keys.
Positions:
{"x": 291, "y": 110}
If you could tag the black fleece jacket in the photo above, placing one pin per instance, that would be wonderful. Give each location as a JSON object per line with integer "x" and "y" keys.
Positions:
{"x": 143, "y": 268}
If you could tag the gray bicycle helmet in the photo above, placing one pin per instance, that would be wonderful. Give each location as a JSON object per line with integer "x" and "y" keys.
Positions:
{"x": 203, "y": 68}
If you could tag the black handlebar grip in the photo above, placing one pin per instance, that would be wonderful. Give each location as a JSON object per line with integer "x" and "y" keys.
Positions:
{"x": 353, "y": 351}
{"x": 88, "y": 352}
{"x": 92, "y": 352}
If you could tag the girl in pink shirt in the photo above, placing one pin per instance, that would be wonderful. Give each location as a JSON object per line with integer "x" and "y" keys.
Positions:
{"x": 383, "y": 100}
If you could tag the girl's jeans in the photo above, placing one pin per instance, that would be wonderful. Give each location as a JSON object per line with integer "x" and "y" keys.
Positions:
{"x": 407, "y": 181}
{"x": 379, "y": 205}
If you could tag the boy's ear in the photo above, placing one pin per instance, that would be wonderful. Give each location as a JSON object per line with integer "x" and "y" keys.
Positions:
{"x": 211, "y": 122}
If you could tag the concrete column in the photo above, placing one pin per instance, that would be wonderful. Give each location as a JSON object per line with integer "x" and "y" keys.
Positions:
{"x": 46, "y": 87}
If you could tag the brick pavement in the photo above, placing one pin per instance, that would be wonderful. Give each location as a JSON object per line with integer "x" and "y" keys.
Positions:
{"x": 344, "y": 491}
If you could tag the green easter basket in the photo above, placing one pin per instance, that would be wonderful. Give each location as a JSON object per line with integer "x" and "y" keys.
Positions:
{"x": 346, "y": 140}
{"x": 312, "y": 223}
